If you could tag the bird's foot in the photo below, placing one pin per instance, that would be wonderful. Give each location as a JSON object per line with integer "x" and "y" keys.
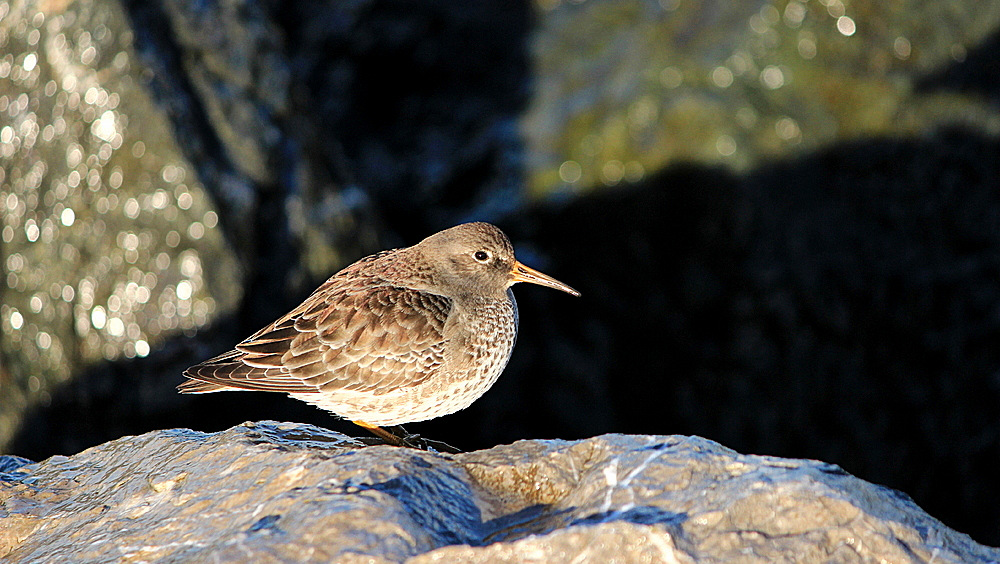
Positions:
{"x": 418, "y": 442}
{"x": 396, "y": 435}
{"x": 413, "y": 440}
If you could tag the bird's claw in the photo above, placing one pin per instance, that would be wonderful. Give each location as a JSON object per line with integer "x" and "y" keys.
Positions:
{"x": 420, "y": 443}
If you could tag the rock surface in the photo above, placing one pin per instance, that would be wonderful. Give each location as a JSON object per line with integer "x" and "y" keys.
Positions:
{"x": 279, "y": 492}
{"x": 658, "y": 82}
{"x": 109, "y": 241}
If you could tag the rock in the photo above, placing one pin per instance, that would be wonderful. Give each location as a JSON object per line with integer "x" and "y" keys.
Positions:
{"x": 662, "y": 82}
{"x": 841, "y": 307}
{"x": 10, "y": 463}
{"x": 136, "y": 172}
{"x": 109, "y": 242}
{"x": 281, "y": 492}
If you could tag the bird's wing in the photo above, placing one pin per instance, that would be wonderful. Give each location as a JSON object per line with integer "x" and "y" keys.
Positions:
{"x": 355, "y": 337}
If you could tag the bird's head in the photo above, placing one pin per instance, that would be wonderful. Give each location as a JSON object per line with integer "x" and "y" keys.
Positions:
{"x": 478, "y": 258}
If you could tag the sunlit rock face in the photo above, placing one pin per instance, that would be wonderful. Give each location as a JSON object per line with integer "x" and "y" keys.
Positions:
{"x": 627, "y": 88}
{"x": 280, "y": 492}
{"x": 108, "y": 239}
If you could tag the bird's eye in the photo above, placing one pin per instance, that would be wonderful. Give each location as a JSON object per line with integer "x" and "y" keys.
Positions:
{"x": 481, "y": 256}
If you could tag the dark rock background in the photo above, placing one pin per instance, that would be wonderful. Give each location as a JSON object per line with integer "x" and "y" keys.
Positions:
{"x": 839, "y": 302}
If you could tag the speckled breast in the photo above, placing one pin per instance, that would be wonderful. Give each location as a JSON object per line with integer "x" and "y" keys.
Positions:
{"x": 477, "y": 355}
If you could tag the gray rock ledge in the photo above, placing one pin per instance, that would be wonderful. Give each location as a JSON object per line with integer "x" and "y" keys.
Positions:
{"x": 281, "y": 492}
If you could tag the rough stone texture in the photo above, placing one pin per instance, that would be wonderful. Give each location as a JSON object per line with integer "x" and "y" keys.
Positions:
{"x": 295, "y": 493}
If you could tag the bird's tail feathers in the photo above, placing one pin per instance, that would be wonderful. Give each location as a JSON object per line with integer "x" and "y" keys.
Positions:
{"x": 202, "y": 387}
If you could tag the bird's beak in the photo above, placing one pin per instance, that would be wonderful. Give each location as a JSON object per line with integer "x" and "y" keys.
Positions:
{"x": 522, "y": 273}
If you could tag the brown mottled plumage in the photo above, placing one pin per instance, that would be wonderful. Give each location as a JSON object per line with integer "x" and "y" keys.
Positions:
{"x": 400, "y": 336}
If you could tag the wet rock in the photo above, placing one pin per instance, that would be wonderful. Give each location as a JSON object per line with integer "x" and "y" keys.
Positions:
{"x": 10, "y": 463}
{"x": 109, "y": 242}
{"x": 659, "y": 82}
{"x": 296, "y": 493}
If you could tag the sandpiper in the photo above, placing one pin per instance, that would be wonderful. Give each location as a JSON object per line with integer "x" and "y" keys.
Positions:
{"x": 400, "y": 336}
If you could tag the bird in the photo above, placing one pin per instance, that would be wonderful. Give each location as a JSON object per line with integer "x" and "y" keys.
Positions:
{"x": 400, "y": 336}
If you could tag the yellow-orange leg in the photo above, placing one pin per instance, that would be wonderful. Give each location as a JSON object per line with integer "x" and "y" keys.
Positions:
{"x": 407, "y": 440}
{"x": 381, "y": 433}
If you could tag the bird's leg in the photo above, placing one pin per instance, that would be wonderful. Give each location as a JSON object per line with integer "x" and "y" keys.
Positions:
{"x": 396, "y": 435}
{"x": 388, "y": 436}
{"x": 399, "y": 431}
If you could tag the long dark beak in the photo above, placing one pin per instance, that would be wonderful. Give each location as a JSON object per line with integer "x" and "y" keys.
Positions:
{"x": 522, "y": 273}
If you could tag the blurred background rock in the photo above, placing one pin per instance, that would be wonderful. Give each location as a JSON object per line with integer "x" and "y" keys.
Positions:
{"x": 784, "y": 216}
